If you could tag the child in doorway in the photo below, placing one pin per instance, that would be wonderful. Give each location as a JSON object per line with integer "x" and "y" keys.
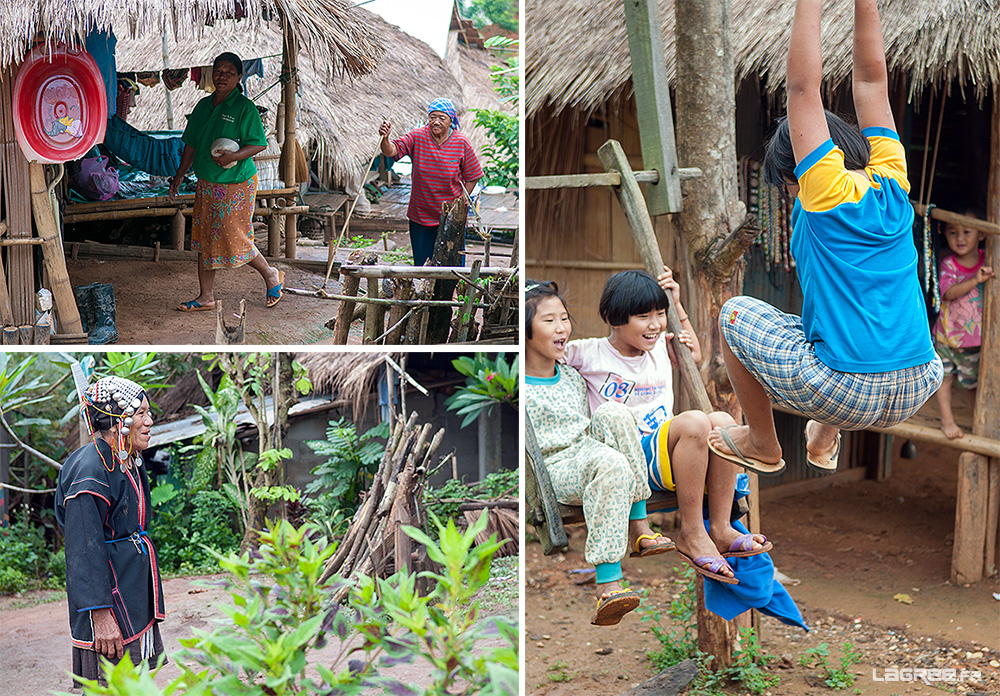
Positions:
{"x": 593, "y": 460}
{"x": 861, "y": 354}
{"x": 956, "y": 334}
{"x": 632, "y": 366}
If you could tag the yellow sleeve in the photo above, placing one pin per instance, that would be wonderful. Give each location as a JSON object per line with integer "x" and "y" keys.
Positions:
{"x": 824, "y": 183}
{"x": 888, "y": 158}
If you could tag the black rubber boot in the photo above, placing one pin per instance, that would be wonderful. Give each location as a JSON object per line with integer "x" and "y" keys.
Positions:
{"x": 84, "y": 295}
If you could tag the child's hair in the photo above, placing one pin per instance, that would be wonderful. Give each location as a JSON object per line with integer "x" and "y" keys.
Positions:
{"x": 629, "y": 293}
{"x": 534, "y": 292}
{"x": 779, "y": 160}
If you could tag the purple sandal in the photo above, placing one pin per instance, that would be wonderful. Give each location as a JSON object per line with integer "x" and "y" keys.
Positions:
{"x": 709, "y": 566}
{"x": 743, "y": 547}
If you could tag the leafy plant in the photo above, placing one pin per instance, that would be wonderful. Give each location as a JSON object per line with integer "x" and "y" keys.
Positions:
{"x": 503, "y": 13}
{"x": 558, "y": 672}
{"x": 351, "y": 461}
{"x": 502, "y": 153}
{"x": 749, "y": 663}
{"x": 840, "y": 678}
{"x": 488, "y": 382}
{"x": 445, "y": 500}
{"x": 280, "y": 614}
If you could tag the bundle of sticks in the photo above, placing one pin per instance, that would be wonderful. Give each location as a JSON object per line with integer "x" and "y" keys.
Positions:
{"x": 375, "y": 544}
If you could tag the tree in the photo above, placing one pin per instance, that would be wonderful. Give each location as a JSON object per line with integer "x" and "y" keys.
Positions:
{"x": 503, "y": 13}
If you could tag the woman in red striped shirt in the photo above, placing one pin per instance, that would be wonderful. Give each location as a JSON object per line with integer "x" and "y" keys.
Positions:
{"x": 443, "y": 162}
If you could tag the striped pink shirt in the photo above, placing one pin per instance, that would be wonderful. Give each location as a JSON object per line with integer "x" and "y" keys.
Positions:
{"x": 438, "y": 171}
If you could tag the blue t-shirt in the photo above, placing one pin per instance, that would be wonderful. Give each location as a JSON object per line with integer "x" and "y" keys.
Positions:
{"x": 853, "y": 247}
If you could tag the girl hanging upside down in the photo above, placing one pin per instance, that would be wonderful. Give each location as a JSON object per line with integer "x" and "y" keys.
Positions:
{"x": 596, "y": 462}
{"x": 861, "y": 354}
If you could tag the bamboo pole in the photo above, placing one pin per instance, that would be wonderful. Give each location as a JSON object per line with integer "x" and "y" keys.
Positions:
{"x": 987, "y": 227}
{"x": 288, "y": 211}
{"x": 158, "y": 202}
{"x": 380, "y": 301}
{"x": 177, "y": 230}
{"x": 436, "y": 272}
{"x": 563, "y": 181}
{"x": 345, "y": 313}
{"x": 53, "y": 256}
{"x": 289, "y": 69}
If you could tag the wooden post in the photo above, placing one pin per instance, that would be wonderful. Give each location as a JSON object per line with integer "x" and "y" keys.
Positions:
{"x": 467, "y": 312}
{"x": 4, "y": 477}
{"x": 630, "y": 197}
{"x": 652, "y": 102}
{"x": 274, "y": 235}
{"x": 976, "y": 520}
{"x": 290, "y": 144}
{"x": 447, "y": 252}
{"x": 715, "y": 634}
{"x": 402, "y": 291}
{"x": 53, "y": 258}
{"x": 177, "y": 230}
{"x": 345, "y": 313}
{"x": 373, "y": 313}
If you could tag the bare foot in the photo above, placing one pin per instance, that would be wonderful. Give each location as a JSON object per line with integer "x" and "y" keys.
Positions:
{"x": 698, "y": 543}
{"x": 724, "y": 536}
{"x": 639, "y": 528}
{"x": 821, "y": 439}
{"x": 766, "y": 450}
{"x": 951, "y": 430}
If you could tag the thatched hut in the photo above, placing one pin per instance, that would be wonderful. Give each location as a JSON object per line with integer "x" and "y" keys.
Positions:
{"x": 337, "y": 125}
{"x": 332, "y": 32}
{"x": 579, "y": 93}
{"x": 944, "y": 64}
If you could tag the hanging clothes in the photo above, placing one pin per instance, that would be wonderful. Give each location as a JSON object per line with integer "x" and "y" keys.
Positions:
{"x": 202, "y": 77}
{"x": 126, "y": 97}
{"x": 150, "y": 78}
{"x": 101, "y": 47}
{"x": 174, "y": 77}
{"x": 157, "y": 156}
{"x": 253, "y": 66}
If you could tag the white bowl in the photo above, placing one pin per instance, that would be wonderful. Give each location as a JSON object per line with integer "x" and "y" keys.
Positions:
{"x": 225, "y": 145}
{"x": 494, "y": 190}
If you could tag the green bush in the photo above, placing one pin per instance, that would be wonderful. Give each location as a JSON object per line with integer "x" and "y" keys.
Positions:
{"x": 23, "y": 554}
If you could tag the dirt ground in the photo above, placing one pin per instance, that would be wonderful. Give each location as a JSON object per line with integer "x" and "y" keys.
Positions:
{"x": 147, "y": 294}
{"x": 34, "y": 639}
{"x": 849, "y": 549}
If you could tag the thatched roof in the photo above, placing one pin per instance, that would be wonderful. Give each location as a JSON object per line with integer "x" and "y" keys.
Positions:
{"x": 350, "y": 376}
{"x": 334, "y": 29}
{"x": 576, "y": 54}
{"x": 338, "y": 124}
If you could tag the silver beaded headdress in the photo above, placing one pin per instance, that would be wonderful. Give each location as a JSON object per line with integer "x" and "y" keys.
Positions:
{"x": 118, "y": 398}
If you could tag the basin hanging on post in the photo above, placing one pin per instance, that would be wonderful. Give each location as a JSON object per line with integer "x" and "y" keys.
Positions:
{"x": 60, "y": 106}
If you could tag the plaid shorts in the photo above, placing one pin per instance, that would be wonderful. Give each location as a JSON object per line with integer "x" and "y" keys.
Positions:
{"x": 962, "y": 363}
{"x": 772, "y": 345}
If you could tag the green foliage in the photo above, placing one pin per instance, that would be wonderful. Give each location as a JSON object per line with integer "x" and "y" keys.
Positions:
{"x": 281, "y": 612}
{"x": 352, "y": 460}
{"x": 557, "y": 672}
{"x": 840, "y": 678}
{"x": 503, "y": 13}
{"x": 488, "y": 382}
{"x": 440, "y": 501}
{"x": 25, "y": 560}
{"x": 503, "y": 151}
{"x": 680, "y": 642}
{"x": 17, "y": 390}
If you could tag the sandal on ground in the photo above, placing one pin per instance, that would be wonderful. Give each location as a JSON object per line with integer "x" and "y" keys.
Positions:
{"x": 709, "y": 566}
{"x": 275, "y": 294}
{"x": 612, "y": 608}
{"x": 743, "y": 547}
{"x": 194, "y": 306}
{"x": 653, "y": 549}
{"x": 826, "y": 462}
{"x": 755, "y": 465}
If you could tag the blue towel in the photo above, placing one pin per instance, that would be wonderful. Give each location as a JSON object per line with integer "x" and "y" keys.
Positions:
{"x": 159, "y": 156}
{"x": 757, "y": 589}
{"x": 252, "y": 66}
{"x": 101, "y": 47}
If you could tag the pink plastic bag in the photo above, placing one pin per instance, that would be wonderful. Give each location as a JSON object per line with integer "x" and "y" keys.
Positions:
{"x": 96, "y": 180}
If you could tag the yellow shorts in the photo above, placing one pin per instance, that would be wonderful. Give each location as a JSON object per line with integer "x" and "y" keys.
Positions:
{"x": 654, "y": 446}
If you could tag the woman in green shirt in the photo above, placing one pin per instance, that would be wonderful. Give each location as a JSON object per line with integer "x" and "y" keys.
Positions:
{"x": 222, "y": 224}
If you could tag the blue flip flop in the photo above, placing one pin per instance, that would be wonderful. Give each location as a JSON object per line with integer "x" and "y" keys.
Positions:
{"x": 194, "y": 306}
{"x": 275, "y": 294}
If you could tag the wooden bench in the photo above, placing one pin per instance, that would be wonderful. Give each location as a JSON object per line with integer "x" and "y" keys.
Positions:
{"x": 549, "y": 517}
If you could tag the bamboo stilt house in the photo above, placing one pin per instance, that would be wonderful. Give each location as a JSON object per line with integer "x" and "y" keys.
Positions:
{"x": 339, "y": 38}
{"x": 944, "y": 67}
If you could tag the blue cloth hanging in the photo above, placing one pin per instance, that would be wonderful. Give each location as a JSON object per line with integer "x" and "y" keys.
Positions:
{"x": 101, "y": 47}
{"x": 158, "y": 156}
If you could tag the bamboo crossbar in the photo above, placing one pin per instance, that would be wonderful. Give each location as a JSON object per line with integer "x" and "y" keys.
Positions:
{"x": 21, "y": 241}
{"x": 157, "y": 201}
{"x": 985, "y": 446}
{"x": 948, "y": 216}
{"x": 72, "y": 218}
{"x": 644, "y": 176}
{"x": 387, "y": 301}
{"x": 422, "y": 272}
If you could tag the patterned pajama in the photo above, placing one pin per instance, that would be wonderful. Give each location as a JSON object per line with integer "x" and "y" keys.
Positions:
{"x": 597, "y": 464}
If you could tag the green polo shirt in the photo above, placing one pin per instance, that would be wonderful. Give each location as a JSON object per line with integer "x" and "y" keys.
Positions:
{"x": 236, "y": 118}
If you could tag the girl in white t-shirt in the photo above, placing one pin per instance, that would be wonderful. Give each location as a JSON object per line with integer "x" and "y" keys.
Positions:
{"x": 632, "y": 366}
{"x": 593, "y": 460}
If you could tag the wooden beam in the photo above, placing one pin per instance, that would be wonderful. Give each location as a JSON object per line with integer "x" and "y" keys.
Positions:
{"x": 652, "y": 101}
{"x": 439, "y": 272}
{"x": 633, "y": 205}
{"x": 573, "y": 264}
{"x": 967, "y": 562}
{"x": 53, "y": 257}
{"x": 157, "y": 202}
{"x": 964, "y": 220}
{"x": 643, "y": 176}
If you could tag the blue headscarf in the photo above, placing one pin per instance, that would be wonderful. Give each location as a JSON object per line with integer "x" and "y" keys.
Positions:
{"x": 445, "y": 106}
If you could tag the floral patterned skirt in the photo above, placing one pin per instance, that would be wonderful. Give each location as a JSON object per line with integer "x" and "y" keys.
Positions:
{"x": 222, "y": 224}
